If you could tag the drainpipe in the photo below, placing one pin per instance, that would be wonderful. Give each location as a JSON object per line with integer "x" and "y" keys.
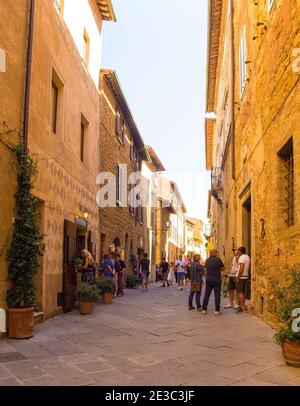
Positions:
{"x": 233, "y": 174}
{"x": 28, "y": 76}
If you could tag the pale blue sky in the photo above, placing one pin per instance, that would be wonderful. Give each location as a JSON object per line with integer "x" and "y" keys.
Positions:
{"x": 158, "y": 49}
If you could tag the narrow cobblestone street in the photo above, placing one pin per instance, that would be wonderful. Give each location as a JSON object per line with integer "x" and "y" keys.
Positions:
{"x": 147, "y": 339}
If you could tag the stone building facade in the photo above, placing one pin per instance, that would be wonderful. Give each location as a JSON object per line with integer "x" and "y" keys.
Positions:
{"x": 123, "y": 228}
{"x": 252, "y": 137}
{"x": 64, "y": 132}
{"x": 195, "y": 241}
{"x": 170, "y": 225}
{"x": 152, "y": 171}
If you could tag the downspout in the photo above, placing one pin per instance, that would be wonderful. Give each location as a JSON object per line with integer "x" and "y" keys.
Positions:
{"x": 233, "y": 174}
{"x": 28, "y": 77}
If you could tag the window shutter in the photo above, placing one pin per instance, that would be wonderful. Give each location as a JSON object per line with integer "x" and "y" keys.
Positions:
{"x": 118, "y": 124}
{"x": 243, "y": 70}
{"x": 123, "y": 133}
{"x": 118, "y": 184}
{"x": 131, "y": 151}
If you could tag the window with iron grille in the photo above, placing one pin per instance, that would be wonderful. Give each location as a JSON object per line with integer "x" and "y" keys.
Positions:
{"x": 286, "y": 155}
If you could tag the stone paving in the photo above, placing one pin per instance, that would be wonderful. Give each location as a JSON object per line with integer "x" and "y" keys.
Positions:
{"x": 147, "y": 339}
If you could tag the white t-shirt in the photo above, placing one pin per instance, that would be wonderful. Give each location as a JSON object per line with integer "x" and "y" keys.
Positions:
{"x": 180, "y": 265}
{"x": 245, "y": 259}
{"x": 235, "y": 267}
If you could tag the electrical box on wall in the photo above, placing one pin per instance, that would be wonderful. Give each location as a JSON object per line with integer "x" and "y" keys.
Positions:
{"x": 2, "y": 61}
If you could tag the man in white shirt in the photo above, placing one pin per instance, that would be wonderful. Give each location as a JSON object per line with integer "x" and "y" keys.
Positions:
{"x": 179, "y": 267}
{"x": 242, "y": 277}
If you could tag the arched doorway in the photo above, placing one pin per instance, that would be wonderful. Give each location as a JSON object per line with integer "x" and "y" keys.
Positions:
{"x": 117, "y": 245}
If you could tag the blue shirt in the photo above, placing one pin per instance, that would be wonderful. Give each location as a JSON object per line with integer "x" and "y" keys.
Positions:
{"x": 107, "y": 271}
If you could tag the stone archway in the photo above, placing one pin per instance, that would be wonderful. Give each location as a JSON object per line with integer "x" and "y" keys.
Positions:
{"x": 117, "y": 245}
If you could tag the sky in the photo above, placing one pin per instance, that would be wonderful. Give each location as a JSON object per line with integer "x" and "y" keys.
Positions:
{"x": 158, "y": 49}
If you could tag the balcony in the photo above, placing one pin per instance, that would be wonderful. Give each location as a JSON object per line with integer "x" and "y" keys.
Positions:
{"x": 217, "y": 183}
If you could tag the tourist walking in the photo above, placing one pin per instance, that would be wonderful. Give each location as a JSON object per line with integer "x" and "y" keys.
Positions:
{"x": 120, "y": 268}
{"x": 180, "y": 265}
{"x": 145, "y": 272}
{"x": 232, "y": 280}
{"x": 242, "y": 278}
{"x": 171, "y": 276}
{"x": 164, "y": 269}
{"x": 196, "y": 274}
{"x": 213, "y": 267}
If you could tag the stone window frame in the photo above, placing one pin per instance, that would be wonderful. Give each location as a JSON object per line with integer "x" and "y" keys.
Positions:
{"x": 288, "y": 177}
{"x": 57, "y": 83}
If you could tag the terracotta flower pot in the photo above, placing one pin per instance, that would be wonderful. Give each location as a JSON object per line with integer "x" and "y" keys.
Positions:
{"x": 291, "y": 352}
{"x": 86, "y": 307}
{"x": 107, "y": 298}
{"x": 20, "y": 322}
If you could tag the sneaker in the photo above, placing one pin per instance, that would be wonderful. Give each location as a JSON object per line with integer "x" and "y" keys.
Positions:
{"x": 229, "y": 306}
{"x": 199, "y": 309}
{"x": 239, "y": 310}
{"x": 236, "y": 306}
{"x": 217, "y": 313}
{"x": 204, "y": 312}
{"x": 192, "y": 308}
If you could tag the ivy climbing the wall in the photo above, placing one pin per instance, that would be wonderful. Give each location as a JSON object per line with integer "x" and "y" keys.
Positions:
{"x": 27, "y": 241}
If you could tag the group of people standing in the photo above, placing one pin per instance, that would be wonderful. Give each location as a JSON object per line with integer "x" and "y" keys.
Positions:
{"x": 114, "y": 268}
{"x": 239, "y": 278}
{"x": 189, "y": 271}
{"x": 196, "y": 273}
{"x": 174, "y": 272}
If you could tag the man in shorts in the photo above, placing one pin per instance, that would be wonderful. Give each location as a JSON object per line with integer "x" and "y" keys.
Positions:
{"x": 242, "y": 278}
{"x": 232, "y": 280}
{"x": 164, "y": 268}
{"x": 145, "y": 273}
{"x": 179, "y": 267}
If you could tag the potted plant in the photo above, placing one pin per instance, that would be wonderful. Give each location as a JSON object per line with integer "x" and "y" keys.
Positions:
{"x": 26, "y": 249}
{"x": 77, "y": 262}
{"x": 131, "y": 281}
{"x": 86, "y": 294}
{"x": 286, "y": 303}
{"x": 107, "y": 288}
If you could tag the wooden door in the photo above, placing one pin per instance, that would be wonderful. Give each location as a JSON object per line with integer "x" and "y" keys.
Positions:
{"x": 69, "y": 275}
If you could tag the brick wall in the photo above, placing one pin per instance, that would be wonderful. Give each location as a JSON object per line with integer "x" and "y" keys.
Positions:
{"x": 118, "y": 222}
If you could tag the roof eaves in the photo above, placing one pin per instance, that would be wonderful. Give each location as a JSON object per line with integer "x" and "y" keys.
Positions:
{"x": 106, "y": 10}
